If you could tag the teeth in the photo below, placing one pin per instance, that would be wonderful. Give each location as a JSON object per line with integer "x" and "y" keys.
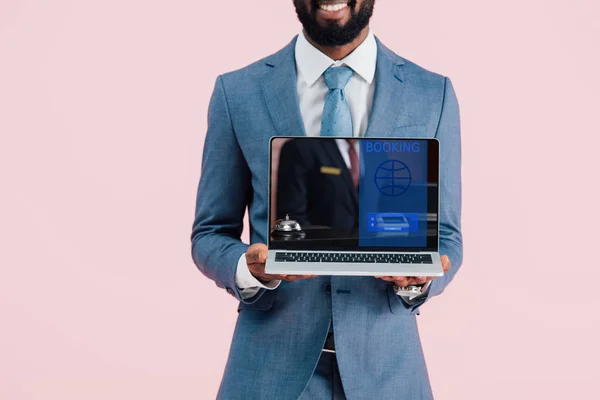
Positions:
{"x": 332, "y": 7}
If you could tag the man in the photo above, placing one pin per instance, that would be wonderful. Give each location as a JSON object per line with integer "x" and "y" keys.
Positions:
{"x": 316, "y": 184}
{"x": 334, "y": 79}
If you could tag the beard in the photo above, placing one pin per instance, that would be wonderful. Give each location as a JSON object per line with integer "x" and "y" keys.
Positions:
{"x": 333, "y": 34}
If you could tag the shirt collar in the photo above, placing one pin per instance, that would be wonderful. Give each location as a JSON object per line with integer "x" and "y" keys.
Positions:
{"x": 311, "y": 63}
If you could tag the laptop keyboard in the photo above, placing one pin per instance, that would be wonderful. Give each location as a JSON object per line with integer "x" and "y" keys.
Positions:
{"x": 353, "y": 257}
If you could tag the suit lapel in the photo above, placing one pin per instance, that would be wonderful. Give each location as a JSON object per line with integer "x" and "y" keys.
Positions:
{"x": 280, "y": 92}
{"x": 279, "y": 88}
{"x": 390, "y": 94}
{"x": 333, "y": 152}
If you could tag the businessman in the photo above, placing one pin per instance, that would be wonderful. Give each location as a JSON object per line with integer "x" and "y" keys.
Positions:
{"x": 317, "y": 183}
{"x": 320, "y": 337}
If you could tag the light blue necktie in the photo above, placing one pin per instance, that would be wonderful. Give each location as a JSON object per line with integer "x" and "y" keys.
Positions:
{"x": 336, "y": 120}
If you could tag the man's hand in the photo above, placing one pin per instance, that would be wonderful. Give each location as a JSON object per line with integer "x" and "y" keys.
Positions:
{"x": 403, "y": 281}
{"x": 256, "y": 256}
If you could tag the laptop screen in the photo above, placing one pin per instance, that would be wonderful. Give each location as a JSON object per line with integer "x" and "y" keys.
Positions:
{"x": 364, "y": 194}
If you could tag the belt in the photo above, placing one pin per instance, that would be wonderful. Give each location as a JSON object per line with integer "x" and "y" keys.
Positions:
{"x": 329, "y": 346}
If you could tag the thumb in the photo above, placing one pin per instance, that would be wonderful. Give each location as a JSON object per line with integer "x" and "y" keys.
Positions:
{"x": 257, "y": 254}
{"x": 446, "y": 264}
{"x": 262, "y": 255}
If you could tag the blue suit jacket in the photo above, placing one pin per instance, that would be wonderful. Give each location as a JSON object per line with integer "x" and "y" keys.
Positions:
{"x": 279, "y": 334}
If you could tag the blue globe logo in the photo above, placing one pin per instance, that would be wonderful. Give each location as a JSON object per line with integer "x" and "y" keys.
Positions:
{"x": 392, "y": 178}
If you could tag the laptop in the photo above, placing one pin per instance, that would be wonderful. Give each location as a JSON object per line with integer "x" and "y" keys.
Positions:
{"x": 358, "y": 207}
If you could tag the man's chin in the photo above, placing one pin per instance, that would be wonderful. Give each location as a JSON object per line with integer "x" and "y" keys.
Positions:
{"x": 329, "y": 28}
{"x": 331, "y": 24}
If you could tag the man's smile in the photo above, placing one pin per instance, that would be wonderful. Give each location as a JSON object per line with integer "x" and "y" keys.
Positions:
{"x": 325, "y": 6}
{"x": 333, "y": 10}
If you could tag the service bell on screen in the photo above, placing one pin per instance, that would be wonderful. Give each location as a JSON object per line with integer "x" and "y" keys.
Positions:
{"x": 287, "y": 229}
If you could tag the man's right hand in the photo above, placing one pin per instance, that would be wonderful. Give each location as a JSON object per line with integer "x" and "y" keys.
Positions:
{"x": 256, "y": 256}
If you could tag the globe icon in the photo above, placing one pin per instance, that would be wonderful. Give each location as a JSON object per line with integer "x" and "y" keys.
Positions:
{"x": 392, "y": 178}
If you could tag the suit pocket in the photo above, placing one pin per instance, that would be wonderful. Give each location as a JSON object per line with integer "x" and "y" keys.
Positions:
{"x": 397, "y": 306}
{"x": 412, "y": 131}
{"x": 264, "y": 303}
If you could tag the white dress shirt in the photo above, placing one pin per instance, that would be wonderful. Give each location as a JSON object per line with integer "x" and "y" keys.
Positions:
{"x": 311, "y": 63}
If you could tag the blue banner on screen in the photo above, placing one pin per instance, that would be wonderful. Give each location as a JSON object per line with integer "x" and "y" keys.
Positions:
{"x": 393, "y": 193}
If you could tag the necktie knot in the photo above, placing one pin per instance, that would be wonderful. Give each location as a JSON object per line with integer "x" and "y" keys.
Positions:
{"x": 336, "y": 119}
{"x": 337, "y": 77}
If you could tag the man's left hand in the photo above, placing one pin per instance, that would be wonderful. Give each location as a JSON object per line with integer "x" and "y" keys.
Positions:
{"x": 403, "y": 281}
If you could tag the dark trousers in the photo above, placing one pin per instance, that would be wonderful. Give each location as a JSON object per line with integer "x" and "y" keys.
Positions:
{"x": 325, "y": 382}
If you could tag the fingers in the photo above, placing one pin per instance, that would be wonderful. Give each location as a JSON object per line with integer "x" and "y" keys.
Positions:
{"x": 398, "y": 280}
{"x": 287, "y": 278}
{"x": 420, "y": 280}
{"x": 446, "y": 264}
{"x": 294, "y": 278}
{"x": 403, "y": 281}
{"x": 256, "y": 257}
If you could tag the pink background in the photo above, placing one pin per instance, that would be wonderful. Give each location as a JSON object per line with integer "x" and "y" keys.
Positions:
{"x": 102, "y": 116}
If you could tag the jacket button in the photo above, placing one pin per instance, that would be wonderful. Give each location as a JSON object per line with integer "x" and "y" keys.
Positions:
{"x": 327, "y": 288}
{"x": 230, "y": 291}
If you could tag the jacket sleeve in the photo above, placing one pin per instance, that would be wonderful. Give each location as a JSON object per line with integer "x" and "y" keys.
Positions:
{"x": 223, "y": 194}
{"x": 450, "y": 241}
